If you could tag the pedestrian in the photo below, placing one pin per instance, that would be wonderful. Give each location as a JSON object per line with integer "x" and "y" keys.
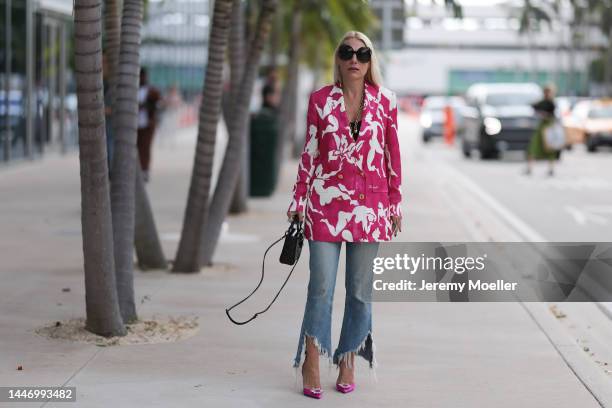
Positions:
{"x": 270, "y": 98}
{"x": 149, "y": 99}
{"x": 272, "y": 84}
{"x": 537, "y": 150}
{"x": 347, "y": 190}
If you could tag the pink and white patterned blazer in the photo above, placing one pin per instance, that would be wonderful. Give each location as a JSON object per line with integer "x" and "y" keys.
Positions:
{"x": 347, "y": 189}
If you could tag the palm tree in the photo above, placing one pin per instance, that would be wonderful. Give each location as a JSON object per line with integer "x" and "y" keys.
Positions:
{"x": 288, "y": 103}
{"x": 103, "y": 314}
{"x": 230, "y": 168}
{"x": 531, "y": 16}
{"x": 315, "y": 26}
{"x": 146, "y": 238}
{"x": 602, "y": 9}
{"x": 125, "y": 158}
{"x": 112, "y": 31}
{"x": 148, "y": 247}
{"x": 455, "y": 7}
{"x": 236, "y": 59}
{"x": 189, "y": 251}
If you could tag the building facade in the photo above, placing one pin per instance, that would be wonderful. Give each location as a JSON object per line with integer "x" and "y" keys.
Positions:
{"x": 175, "y": 44}
{"x": 445, "y": 55}
{"x": 392, "y": 17}
{"x": 37, "y": 98}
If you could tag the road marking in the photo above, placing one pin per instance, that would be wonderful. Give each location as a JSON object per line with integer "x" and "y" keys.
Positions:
{"x": 508, "y": 216}
{"x": 571, "y": 184}
{"x": 589, "y": 213}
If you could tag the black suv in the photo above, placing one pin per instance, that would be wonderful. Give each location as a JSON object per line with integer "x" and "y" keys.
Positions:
{"x": 499, "y": 117}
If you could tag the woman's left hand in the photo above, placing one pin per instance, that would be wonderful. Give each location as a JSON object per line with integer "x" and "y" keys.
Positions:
{"x": 396, "y": 221}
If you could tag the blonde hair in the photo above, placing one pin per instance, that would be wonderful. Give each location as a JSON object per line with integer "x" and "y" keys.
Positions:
{"x": 373, "y": 75}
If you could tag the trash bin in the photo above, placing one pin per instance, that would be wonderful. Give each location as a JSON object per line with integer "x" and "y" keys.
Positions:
{"x": 263, "y": 140}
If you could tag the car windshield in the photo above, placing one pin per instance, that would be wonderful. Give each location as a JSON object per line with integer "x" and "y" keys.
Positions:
{"x": 601, "y": 112}
{"x": 511, "y": 98}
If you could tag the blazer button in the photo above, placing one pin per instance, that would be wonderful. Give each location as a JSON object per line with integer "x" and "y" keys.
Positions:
{"x": 361, "y": 173}
{"x": 340, "y": 176}
{"x": 361, "y": 196}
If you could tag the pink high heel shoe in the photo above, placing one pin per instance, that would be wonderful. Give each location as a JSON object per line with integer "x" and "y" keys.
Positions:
{"x": 313, "y": 392}
{"x": 344, "y": 388}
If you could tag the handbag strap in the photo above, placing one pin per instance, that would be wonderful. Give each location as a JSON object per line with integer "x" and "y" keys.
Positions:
{"x": 261, "y": 280}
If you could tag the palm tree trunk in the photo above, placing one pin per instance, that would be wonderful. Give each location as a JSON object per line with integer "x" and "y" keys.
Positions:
{"x": 188, "y": 254}
{"x": 572, "y": 81}
{"x": 149, "y": 251}
{"x": 275, "y": 39}
{"x": 112, "y": 31}
{"x": 146, "y": 239}
{"x": 287, "y": 113}
{"x": 236, "y": 56}
{"x": 236, "y": 51}
{"x": 124, "y": 162}
{"x": 230, "y": 168}
{"x": 317, "y": 71}
{"x": 534, "y": 55}
{"x": 103, "y": 314}
{"x": 559, "y": 54}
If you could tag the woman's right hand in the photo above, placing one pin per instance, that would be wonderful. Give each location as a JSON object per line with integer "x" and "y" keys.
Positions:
{"x": 292, "y": 214}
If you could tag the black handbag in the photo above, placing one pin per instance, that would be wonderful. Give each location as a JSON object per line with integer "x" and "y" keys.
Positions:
{"x": 292, "y": 248}
{"x": 294, "y": 240}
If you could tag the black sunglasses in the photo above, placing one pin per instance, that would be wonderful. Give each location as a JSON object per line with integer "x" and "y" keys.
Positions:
{"x": 345, "y": 52}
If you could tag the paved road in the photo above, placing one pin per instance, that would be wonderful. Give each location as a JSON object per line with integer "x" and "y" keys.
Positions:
{"x": 574, "y": 205}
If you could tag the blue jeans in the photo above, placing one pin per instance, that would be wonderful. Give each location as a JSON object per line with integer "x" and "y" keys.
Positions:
{"x": 356, "y": 332}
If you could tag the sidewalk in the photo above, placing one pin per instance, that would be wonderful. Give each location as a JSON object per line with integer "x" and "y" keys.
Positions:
{"x": 429, "y": 354}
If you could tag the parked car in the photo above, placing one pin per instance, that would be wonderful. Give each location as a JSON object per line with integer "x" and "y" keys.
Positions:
{"x": 563, "y": 105}
{"x": 590, "y": 122}
{"x": 432, "y": 115}
{"x": 499, "y": 117}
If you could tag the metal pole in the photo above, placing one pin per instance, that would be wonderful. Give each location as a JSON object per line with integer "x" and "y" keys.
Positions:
{"x": 7, "y": 81}
{"x": 387, "y": 24}
{"x": 41, "y": 81}
{"x": 62, "y": 85}
{"x": 30, "y": 97}
{"x": 51, "y": 82}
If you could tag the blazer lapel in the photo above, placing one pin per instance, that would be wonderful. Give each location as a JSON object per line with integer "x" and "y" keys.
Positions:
{"x": 369, "y": 115}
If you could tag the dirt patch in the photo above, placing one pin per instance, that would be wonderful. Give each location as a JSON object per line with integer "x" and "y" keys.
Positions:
{"x": 159, "y": 329}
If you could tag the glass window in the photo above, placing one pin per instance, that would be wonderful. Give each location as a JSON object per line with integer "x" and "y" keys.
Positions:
{"x": 18, "y": 78}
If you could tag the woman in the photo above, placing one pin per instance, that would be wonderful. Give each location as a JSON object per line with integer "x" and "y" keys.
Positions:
{"x": 347, "y": 190}
{"x": 536, "y": 150}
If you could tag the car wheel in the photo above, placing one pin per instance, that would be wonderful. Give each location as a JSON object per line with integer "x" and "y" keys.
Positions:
{"x": 426, "y": 139}
{"x": 590, "y": 145}
{"x": 487, "y": 151}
